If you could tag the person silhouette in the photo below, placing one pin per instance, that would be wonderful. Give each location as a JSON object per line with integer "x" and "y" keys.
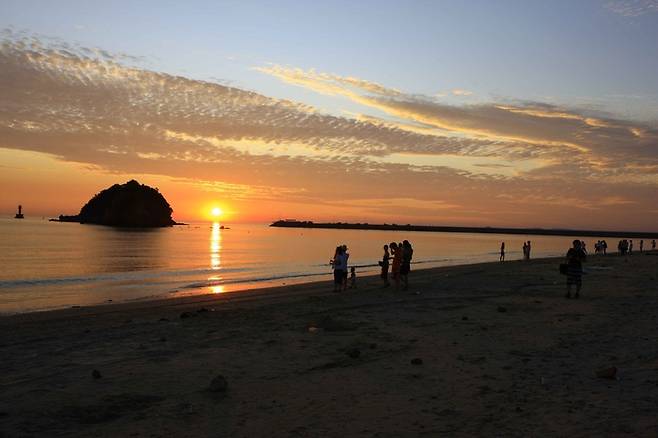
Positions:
{"x": 502, "y": 252}
{"x": 405, "y": 266}
{"x": 575, "y": 258}
{"x": 384, "y": 264}
{"x": 396, "y": 251}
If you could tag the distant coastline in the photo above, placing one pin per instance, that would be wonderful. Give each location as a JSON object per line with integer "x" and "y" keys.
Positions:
{"x": 447, "y": 229}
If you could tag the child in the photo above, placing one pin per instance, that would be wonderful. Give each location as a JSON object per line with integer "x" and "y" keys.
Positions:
{"x": 353, "y": 278}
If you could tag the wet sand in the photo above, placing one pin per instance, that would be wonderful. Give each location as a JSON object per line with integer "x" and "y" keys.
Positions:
{"x": 489, "y": 349}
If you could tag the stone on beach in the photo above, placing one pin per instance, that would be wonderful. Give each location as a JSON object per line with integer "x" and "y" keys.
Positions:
{"x": 354, "y": 353}
{"x": 218, "y": 384}
{"x": 332, "y": 324}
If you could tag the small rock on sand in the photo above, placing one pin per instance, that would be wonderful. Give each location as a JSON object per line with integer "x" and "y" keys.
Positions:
{"x": 354, "y": 353}
{"x": 218, "y": 384}
{"x": 416, "y": 361}
{"x": 332, "y": 324}
{"x": 502, "y": 309}
{"x": 96, "y": 374}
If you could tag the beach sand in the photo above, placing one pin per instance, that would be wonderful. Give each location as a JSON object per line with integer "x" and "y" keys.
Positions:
{"x": 503, "y": 354}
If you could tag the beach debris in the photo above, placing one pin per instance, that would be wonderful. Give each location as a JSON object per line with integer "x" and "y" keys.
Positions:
{"x": 416, "y": 361}
{"x": 464, "y": 318}
{"x": 607, "y": 373}
{"x": 186, "y": 315}
{"x": 373, "y": 346}
{"x": 218, "y": 384}
{"x": 313, "y": 329}
{"x": 163, "y": 320}
{"x": 354, "y": 353}
{"x": 163, "y": 339}
{"x": 203, "y": 310}
{"x": 96, "y": 374}
{"x": 502, "y": 309}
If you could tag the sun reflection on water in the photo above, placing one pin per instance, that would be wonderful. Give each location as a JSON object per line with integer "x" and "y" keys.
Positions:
{"x": 215, "y": 258}
{"x": 217, "y": 289}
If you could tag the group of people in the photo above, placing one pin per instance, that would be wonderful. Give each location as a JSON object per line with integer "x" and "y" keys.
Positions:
{"x": 397, "y": 256}
{"x": 527, "y": 247}
{"x": 400, "y": 265}
{"x": 626, "y": 246}
{"x": 526, "y": 250}
{"x": 339, "y": 264}
{"x": 601, "y": 247}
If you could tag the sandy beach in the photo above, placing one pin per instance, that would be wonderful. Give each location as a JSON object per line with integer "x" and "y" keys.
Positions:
{"x": 480, "y": 350}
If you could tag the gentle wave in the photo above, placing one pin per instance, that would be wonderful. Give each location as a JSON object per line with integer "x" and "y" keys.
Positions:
{"x": 119, "y": 276}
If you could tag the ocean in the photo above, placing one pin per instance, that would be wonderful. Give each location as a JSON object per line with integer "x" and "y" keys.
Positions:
{"x": 47, "y": 265}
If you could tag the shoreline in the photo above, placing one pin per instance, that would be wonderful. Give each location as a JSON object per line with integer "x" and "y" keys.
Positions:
{"x": 260, "y": 289}
{"x": 273, "y": 291}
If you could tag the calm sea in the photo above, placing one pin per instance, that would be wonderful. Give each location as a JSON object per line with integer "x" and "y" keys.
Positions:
{"x": 46, "y": 265}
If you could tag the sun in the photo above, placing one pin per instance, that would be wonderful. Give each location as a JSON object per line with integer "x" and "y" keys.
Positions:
{"x": 216, "y": 212}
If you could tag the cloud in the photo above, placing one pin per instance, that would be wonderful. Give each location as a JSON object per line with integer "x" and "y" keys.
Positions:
{"x": 461, "y": 92}
{"x": 515, "y": 131}
{"x": 426, "y": 161}
{"x": 632, "y": 8}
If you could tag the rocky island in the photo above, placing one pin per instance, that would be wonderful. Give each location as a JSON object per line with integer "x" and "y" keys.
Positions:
{"x": 125, "y": 205}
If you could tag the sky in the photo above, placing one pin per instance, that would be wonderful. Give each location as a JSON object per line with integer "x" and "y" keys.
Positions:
{"x": 483, "y": 113}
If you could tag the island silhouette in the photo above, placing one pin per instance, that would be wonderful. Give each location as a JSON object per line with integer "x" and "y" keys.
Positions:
{"x": 131, "y": 204}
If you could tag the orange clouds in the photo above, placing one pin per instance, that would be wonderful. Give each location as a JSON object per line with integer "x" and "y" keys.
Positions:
{"x": 427, "y": 162}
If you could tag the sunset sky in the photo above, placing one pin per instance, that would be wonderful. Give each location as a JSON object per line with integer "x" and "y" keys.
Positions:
{"x": 500, "y": 113}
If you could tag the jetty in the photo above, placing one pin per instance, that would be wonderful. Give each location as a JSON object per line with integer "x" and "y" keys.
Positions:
{"x": 288, "y": 223}
{"x": 19, "y": 214}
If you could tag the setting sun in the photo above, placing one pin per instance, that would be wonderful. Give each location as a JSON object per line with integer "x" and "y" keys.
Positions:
{"x": 216, "y": 212}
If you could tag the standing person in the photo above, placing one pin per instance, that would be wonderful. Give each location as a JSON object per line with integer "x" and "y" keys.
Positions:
{"x": 353, "y": 277}
{"x": 347, "y": 259}
{"x": 604, "y": 246}
{"x": 525, "y": 250}
{"x": 575, "y": 258}
{"x": 653, "y": 244}
{"x": 395, "y": 266}
{"x": 340, "y": 266}
{"x": 641, "y": 245}
{"x": 405, "y": 266}
{"x": 529, "y": 247}
{"x": 384, "y": 264}
{"x": 630, "y": 248}
{"x": 502, "y": 252}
